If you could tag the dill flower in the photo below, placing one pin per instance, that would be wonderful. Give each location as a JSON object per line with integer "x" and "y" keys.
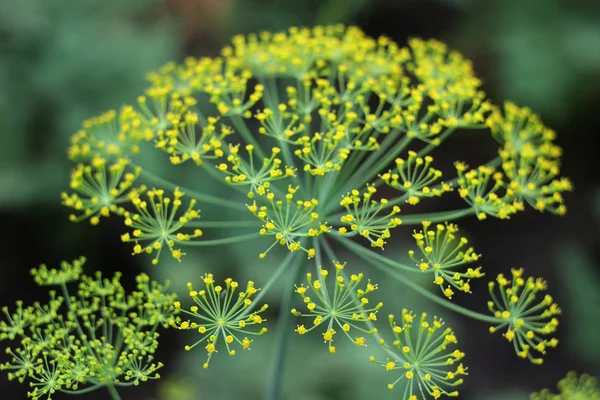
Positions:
{"x": 100, "y": 189}
{"x": 287, "y": 220}
{"x": 420, "y": 354}
{"x": 363, "y": 218}
{"x": 105, "y": 137}
{"x": 221, "y": 316}
{"x": 480, "y": 188}
{"x": 303, "y": 127}
{"x": 415, "y": 177}
{"x": 528, "y": 323}
{"x": 572, "y": 387}
{"x": 343, "y": 308}
{"x": 349, "y": 107}
{"x": 159, "y": 223}
{"x": 103, "y": 337}
{"x": 442, "y": 254}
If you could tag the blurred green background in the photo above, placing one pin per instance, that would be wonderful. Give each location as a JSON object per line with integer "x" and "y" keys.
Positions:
{"x": 62, "y": 61}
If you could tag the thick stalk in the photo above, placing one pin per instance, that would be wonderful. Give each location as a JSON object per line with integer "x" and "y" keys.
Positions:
{"x": 113, "y": 392}
{"x": 282, "y": 342}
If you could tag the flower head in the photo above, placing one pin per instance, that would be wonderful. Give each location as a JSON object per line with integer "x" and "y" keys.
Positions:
{"x": 67, "y": 273}
{"x": 367, "y": 216}
{"x": 443, "y": 253}
{"x": 420, "y": 355}
{"x": 530, "y": 159}
{"x": 572, "y": 387}
{"x": 254, "y": 173}
{"x": 302, "y": 127}
{"x": 158, "y": 223}
{"x": 528, "y": 323}
{"x": 414, "y": 177}
{"x": 222, "y": 316}
{"x": 100, "y": 189}
{"x": 287, "y": 220}
{"x": 482, "y": 189}
{"x": 343, "y": 308}
{"x": 103, "y": 334}
{"x": 105, "y": 136}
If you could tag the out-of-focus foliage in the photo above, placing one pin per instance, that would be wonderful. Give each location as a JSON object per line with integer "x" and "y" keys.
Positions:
{"x": 61, "y": 62}
{"x": 274, "y": 15}
{"x": 581, "y": 282}
{"x": 542, "y": 51}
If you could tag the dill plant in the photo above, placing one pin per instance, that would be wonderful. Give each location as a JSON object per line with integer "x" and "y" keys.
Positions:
{"x": 327, "y": 136}
{"x": 572, "y": 387}
{"x": 98, "y": 336}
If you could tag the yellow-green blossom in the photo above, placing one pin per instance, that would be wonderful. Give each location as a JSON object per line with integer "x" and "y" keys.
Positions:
{"x": 221, "y": 316}
{"x": 103, "y": 336}
{"x": 419, "y": 354}
{"x": 572, "y": 387}
{"x": 528, "y": 323}
{"x": 343, "y": 308}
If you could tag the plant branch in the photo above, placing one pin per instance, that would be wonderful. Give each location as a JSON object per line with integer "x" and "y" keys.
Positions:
{"x": 201, "y": 197}
{"x": 284, "y": 330}
{"x": 217, "y": 242}
{"x": 416, "y": 287}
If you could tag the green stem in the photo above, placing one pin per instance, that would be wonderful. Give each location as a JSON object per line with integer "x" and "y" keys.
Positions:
{"x": 113, "y": 392}
{"x": 222, "y": 224}
{"x": 441, "y": 216}
{"x": 414, "y": 286}
{"x": 364, "y": 252}
{"x": 217, "y": 242}
{"x": 83, "y": 391}
{"x": 284, "y": 331}
{"x": 198, "y": 196}
{"x": 82, "y": 335}
{"x": 274, "y": 277}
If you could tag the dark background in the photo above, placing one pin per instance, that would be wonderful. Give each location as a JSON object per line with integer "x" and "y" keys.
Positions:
{"x": 62, "y": 61}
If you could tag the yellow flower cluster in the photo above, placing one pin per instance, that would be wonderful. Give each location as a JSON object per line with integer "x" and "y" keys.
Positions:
{"x": 341, "y": 308}
{"x": 247, "y": 173}
{"x": 364, "y": 217}
{"x": 480, "y": 187}
{"x": 443, "y": 252}
{"x": 296, "y": 121}
{"x": 219, "y": 314}
{"x": 415, "y": 177}
{"x": 99, "y": 189}
{"x": 290, "y": 221}
{"x": 530, "y": 159}
{"x": 157, "y": 223}
{"x": 527, "y": 323}
{"x": 420, "y": 352}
